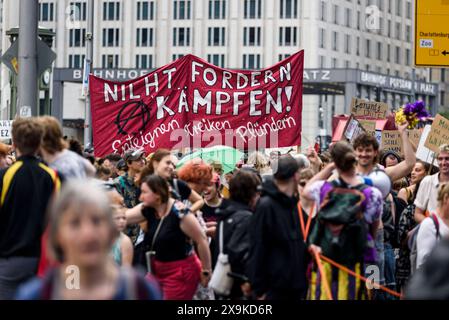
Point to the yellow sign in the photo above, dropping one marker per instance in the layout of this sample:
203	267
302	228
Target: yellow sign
431	33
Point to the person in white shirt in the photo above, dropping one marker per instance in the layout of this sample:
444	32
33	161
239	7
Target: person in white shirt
426	198
428	235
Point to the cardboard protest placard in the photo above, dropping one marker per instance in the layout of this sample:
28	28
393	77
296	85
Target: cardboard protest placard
369	126
5	129
366	108
353	129
391	140
439	133
423	153
414	136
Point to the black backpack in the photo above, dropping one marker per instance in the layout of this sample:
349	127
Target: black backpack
341	230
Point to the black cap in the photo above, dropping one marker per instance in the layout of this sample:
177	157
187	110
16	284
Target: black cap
285	167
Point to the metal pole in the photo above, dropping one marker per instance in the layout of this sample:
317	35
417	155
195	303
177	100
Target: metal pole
27	83
88	61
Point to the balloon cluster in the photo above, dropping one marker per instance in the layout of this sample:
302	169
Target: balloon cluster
413	113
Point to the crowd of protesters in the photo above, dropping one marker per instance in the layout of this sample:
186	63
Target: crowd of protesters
290	226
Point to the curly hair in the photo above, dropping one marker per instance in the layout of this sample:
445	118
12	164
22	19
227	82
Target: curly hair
195	171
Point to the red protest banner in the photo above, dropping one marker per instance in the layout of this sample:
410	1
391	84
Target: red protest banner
191	103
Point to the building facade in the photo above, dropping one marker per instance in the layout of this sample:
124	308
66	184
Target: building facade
369	39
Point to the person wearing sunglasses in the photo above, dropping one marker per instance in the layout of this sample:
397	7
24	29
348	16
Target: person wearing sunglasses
426	198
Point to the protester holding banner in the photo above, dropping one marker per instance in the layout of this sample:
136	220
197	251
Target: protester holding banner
170	252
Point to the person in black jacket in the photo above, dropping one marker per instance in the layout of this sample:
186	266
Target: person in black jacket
236	214
277	262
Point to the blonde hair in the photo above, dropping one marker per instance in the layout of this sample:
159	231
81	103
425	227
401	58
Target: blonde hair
258	161
443	148
77	195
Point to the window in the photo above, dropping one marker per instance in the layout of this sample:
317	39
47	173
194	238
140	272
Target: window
216	37
389	6
216	59
381	5
181	37
217	9
144	37
408	34
368	48
109	61
397	57
177	56
321	61
251	36
398	7
358	20
145	10
322	38
46	11
287	36
323	7
388	53
379	51
144	61
78	11
111	37
398	30
111	11
77	37
76	61
252	9
347	64
407	57
409	10
389	28
442	98
334	41
334	63
181	9
288	9
347	43
348	14
357	46
336	14
443	75
283	56
251	61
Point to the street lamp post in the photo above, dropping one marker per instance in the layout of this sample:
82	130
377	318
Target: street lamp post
27	82
87	69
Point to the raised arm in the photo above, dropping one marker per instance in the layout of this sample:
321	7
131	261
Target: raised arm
403	168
